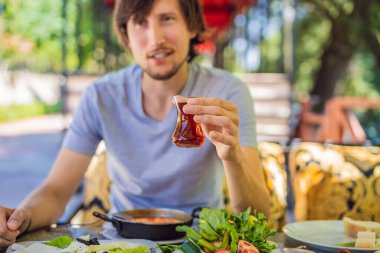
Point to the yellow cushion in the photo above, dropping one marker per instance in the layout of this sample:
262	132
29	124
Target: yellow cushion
273	163
333	181
96	189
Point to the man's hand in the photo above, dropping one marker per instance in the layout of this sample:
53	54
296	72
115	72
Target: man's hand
220	121
12	224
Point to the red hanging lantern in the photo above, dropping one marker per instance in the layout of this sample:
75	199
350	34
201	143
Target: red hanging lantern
219	14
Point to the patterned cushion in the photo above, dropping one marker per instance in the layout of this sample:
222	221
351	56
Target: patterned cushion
273	163
333	181
96	189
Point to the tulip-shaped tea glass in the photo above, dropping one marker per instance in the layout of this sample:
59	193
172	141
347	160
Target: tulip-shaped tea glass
187	133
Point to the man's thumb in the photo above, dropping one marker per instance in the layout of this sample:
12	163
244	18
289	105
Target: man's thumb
15	220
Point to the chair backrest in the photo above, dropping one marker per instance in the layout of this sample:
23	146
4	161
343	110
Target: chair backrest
272	94
333	181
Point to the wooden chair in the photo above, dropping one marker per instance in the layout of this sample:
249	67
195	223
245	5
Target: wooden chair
333	181
272	94
338	124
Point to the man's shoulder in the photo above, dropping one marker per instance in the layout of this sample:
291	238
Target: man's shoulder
115	83
129	73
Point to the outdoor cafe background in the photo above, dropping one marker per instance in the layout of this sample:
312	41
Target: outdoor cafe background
317	50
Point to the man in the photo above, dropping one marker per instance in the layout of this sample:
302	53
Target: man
132	111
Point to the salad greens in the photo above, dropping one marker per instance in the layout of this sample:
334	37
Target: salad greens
346	244
60	242
219	230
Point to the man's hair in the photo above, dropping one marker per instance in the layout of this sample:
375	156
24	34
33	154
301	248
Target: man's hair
139	9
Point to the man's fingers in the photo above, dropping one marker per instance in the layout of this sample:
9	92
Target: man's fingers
213	102
8	235
16	220
10	223
5	243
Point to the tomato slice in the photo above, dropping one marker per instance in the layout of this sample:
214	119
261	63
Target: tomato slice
246	247
222	251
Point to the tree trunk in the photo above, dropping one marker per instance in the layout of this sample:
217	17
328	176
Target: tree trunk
220	43
345	38
334	63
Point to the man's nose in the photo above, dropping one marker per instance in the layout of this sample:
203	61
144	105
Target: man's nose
156	35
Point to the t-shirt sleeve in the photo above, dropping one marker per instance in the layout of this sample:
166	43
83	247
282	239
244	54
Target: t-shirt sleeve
241	96
84	133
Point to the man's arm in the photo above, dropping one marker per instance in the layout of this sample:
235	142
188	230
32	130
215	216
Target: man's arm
47	203
246	182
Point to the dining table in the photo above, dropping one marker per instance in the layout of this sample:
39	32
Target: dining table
74	231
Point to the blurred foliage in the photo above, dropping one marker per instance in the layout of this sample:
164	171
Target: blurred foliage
312	34
16	112
31	31
338	53
335	33
76	36
370	120
36	35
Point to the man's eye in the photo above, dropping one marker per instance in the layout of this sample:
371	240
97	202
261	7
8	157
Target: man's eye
139	22
168	18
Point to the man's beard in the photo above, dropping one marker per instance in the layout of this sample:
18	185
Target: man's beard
165	76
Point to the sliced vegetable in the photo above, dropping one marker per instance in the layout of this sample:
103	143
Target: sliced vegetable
222	251
190	246
246	247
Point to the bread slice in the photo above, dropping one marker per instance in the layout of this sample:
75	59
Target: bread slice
367	234
352	227
365	243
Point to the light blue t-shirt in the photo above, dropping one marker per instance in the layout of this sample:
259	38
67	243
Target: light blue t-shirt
145	167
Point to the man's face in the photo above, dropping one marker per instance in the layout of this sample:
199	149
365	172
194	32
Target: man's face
160	42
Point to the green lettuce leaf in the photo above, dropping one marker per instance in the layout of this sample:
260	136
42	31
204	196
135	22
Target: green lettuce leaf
208	222
60	242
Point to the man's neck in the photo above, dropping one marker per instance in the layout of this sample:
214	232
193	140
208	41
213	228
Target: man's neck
157	94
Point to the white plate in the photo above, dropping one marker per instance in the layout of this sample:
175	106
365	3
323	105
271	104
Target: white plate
152	245
322	235
111	233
